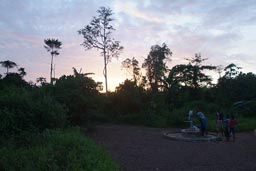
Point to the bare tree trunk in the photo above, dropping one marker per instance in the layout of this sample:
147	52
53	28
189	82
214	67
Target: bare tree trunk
105	58
51	70
105	71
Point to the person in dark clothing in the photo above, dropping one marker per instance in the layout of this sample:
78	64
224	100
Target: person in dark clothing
227	127
203	122
219	123
232	125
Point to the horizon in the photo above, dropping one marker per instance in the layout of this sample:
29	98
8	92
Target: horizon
221	31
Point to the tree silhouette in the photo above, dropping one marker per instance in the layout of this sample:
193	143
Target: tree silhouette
52	46
98	34
22	72
8	64
197	77
41	80
231	71
155	65
189	77
179	75
132	66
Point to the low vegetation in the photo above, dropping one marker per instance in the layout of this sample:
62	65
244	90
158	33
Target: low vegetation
57	149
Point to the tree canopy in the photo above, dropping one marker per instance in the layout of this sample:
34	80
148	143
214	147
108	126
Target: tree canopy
155	65
8	64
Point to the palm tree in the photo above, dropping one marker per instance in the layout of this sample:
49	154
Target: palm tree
52	46
8	64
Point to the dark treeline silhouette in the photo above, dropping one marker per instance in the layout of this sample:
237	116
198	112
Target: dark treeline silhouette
162	95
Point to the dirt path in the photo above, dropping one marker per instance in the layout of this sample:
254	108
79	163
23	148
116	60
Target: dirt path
145	149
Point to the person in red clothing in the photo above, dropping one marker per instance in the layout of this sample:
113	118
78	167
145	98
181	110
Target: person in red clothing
232	125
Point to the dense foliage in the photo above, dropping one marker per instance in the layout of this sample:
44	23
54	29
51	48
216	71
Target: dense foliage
59	150
22	110
30	115
155	65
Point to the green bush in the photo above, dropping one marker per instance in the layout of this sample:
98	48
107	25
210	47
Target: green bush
79	93
177	117
244	108
21	111
58	151
128	98
205	107
246	124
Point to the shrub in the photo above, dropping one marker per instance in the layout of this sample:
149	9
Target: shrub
177	117
246	124
128	98
21	111
79	93
244	108
57	150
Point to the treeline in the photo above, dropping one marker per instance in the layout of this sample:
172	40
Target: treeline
162	97
166	94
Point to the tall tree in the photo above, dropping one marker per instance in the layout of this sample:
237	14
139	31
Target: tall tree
155	65
180	75
98	34
52	46
132	66
8	64
189	77
231	71
198	78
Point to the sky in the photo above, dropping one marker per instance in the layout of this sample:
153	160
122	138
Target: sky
222	31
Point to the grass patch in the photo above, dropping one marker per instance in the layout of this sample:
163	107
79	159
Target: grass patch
246	124
56	150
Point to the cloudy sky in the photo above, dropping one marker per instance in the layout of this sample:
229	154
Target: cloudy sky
222	31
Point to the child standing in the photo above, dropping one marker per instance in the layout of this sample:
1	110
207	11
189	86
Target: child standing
232	124
219	123
227	127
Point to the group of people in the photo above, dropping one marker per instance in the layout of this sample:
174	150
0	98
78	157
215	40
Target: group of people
226	126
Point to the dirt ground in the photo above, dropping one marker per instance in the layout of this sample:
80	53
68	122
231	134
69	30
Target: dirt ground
138	148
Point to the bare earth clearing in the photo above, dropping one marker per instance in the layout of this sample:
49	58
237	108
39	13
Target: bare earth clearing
138	148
